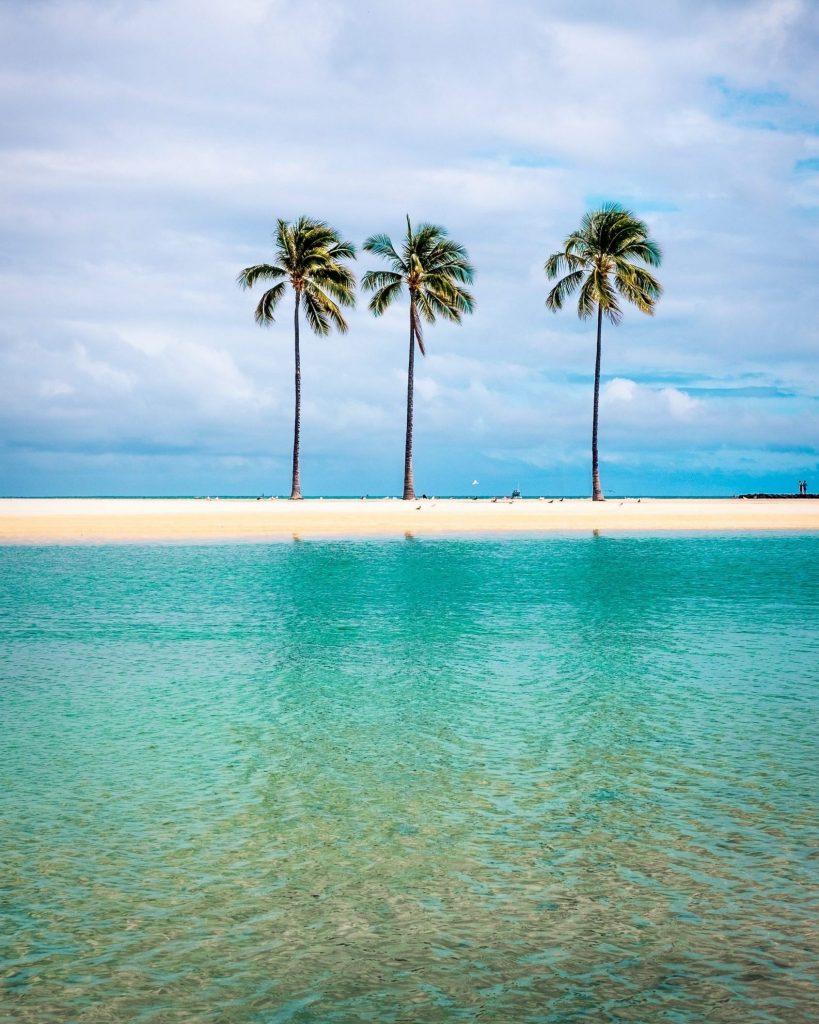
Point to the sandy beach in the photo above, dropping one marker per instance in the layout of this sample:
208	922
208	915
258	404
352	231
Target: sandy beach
71	520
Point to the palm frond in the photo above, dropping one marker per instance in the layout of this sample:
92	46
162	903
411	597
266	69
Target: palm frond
285	247
429	306
448	292
321	312
450	258
330	308
647	283
424	240
381	245
560	262
587	300
416	324
622	238
565	287
374	279
313	234
261	272
639	287
646	250
580	247
442	304
464	300
588	228
267	304
317	319
606	296
385	296
342	251
338	280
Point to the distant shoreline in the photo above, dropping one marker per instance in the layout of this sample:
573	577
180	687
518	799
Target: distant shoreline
780	497
102	520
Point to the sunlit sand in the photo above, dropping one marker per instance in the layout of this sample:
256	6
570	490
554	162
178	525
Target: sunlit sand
63	520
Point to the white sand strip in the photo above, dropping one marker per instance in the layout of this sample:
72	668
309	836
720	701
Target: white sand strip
63	520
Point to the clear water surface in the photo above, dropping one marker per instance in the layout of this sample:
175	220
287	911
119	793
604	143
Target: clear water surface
527	780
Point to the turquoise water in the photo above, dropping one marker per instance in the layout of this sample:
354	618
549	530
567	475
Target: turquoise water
530	780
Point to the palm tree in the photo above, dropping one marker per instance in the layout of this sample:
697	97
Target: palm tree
602	260
310	255
433	269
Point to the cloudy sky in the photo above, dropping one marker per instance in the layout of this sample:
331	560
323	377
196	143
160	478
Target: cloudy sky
149	146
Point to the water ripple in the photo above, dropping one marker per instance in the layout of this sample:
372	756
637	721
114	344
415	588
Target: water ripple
531	780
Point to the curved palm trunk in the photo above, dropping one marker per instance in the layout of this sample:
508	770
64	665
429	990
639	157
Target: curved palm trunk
295	490
409	483
597	490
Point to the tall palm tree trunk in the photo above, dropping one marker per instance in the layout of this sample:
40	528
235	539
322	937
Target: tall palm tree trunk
409	483
295	490
597	490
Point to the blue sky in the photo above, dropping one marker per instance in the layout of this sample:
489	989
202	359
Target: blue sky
149	147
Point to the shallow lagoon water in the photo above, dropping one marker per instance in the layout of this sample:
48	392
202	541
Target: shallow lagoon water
527	780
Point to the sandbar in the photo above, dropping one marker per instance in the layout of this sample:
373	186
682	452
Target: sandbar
103	520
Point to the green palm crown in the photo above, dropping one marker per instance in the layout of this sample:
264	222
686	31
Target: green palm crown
310	255
603	259
431	267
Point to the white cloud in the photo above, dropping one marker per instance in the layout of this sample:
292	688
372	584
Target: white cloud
618	390
149	148
668	403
